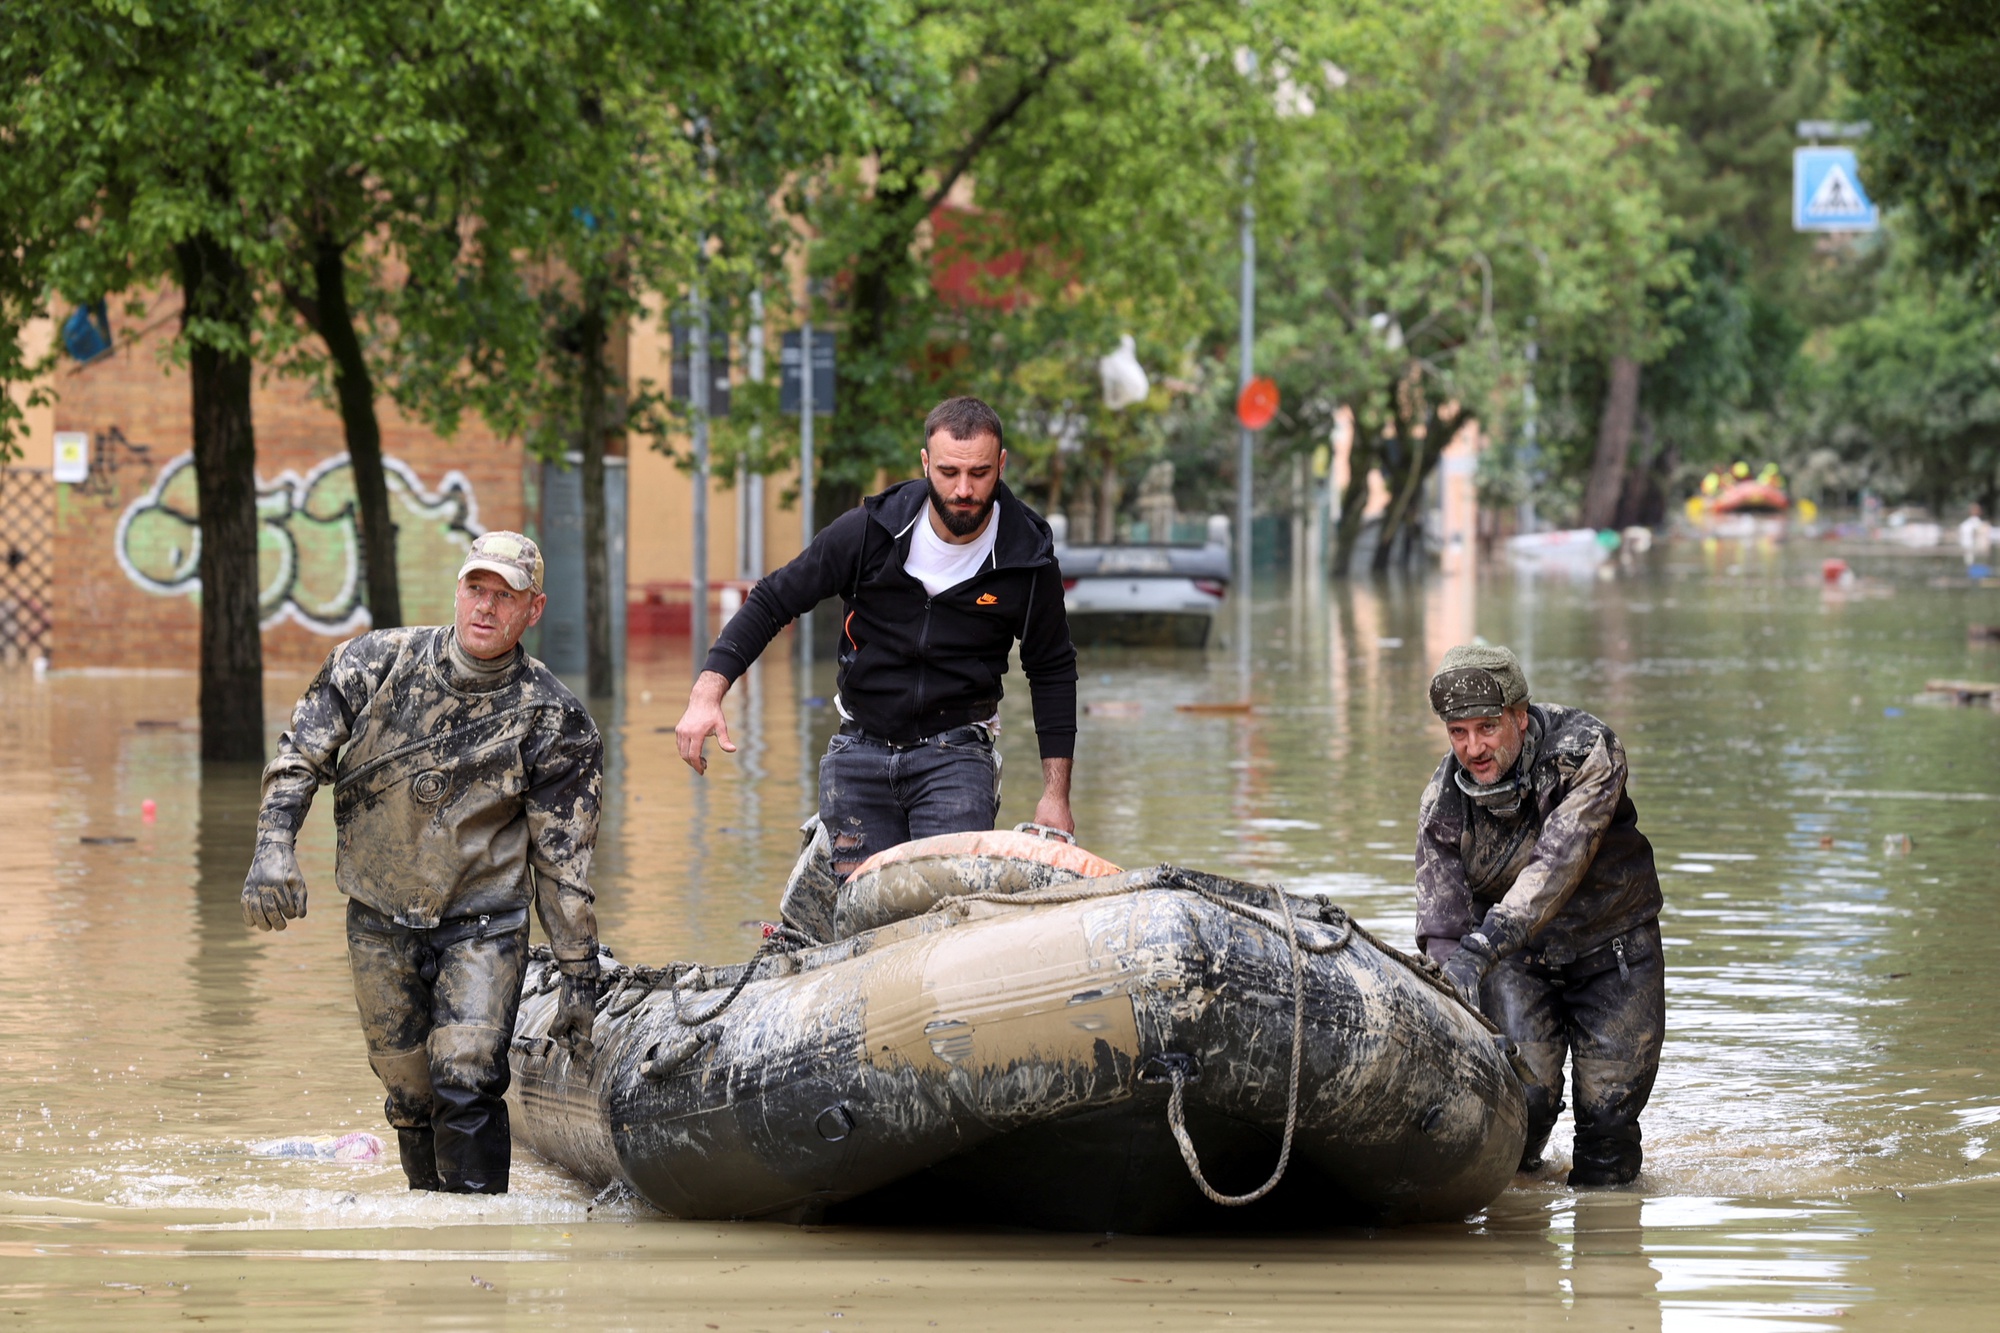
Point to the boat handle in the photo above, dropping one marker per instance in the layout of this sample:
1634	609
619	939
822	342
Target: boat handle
1160	1068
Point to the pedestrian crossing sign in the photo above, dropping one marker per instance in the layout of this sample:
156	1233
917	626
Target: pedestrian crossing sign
1827	193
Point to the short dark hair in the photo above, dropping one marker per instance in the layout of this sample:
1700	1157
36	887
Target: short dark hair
966	419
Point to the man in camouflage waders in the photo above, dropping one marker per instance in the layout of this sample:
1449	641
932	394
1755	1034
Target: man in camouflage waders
1537	892
466	782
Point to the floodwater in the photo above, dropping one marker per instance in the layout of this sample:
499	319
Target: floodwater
1823	1148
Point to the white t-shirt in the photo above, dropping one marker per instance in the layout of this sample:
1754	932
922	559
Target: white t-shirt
937	563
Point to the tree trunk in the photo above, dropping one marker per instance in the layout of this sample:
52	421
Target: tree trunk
217	291
1422	455
1614	444
1641	479
596	556
355	389
1353	500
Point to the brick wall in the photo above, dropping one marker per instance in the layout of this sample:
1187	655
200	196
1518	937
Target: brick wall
124	593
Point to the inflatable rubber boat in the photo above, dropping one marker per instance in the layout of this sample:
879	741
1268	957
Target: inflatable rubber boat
995	1028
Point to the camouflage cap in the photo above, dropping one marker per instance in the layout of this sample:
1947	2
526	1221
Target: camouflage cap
1477	680
508	554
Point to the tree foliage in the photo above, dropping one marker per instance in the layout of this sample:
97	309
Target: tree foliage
1100	143
1469	194
1925	72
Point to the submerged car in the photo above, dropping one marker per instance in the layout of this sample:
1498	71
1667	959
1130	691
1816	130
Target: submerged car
1144	595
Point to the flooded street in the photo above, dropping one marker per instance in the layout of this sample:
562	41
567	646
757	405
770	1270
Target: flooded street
1823	1149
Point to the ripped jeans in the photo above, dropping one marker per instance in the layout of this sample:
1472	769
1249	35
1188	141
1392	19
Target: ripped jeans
874	795
437	1010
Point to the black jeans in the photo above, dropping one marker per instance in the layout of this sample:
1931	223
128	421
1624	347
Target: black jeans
1610	1022
874	795
437	1009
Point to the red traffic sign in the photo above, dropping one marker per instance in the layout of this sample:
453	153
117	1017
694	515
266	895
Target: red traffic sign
1258	403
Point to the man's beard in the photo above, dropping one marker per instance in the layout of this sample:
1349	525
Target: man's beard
958	524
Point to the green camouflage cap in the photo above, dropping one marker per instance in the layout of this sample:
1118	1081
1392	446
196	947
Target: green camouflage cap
508	554
1477	680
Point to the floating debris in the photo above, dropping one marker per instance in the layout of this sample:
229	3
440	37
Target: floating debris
355	1147
1963	692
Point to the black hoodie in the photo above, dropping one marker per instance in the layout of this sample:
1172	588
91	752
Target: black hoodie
913	665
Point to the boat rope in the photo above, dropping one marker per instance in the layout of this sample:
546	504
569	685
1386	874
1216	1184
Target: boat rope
1176	1118
776	939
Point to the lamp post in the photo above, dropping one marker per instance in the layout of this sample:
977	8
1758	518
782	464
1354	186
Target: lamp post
1246	338
698	401
806	478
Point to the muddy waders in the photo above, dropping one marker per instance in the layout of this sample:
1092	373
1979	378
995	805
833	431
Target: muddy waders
1607	1013
437	1009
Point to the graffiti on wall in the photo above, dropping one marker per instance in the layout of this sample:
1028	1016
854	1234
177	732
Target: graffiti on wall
309	542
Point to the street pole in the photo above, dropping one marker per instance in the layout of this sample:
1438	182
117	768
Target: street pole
1531	458
698	400
1244	438
806	478
751	566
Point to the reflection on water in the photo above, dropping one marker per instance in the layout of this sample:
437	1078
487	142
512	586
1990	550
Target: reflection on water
1817	1149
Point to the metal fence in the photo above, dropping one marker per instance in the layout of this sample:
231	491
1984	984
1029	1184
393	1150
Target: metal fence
27	561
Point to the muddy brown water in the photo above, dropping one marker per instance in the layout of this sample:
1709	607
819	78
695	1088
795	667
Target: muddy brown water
1823	1149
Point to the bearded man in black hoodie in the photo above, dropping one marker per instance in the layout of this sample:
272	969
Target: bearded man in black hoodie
939	577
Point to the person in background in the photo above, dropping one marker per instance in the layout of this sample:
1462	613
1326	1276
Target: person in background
466	785
1538	894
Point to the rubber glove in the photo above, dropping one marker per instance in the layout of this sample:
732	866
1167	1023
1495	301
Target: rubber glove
576	1012
1468	967
274	891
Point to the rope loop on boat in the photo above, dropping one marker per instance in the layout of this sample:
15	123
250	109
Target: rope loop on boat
1176	1116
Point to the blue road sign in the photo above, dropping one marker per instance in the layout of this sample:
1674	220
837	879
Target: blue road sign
1827	193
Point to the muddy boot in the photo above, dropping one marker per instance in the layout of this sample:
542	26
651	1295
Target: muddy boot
1604	1161
1531	1152
419	1152
474	1146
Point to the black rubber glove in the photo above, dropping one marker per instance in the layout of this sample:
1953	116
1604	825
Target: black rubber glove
576	1012
274	891
1468	967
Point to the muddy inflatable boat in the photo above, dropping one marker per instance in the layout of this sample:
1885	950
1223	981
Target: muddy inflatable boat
1007	1031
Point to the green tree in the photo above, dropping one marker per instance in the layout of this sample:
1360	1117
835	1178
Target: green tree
1925	73
1101	139
1909	393
652	182
1716	79
148	144
1471	193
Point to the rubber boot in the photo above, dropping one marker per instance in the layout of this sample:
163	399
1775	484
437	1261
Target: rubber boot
474	1147
419	1152
1531	1152
1609	1096
1606	1159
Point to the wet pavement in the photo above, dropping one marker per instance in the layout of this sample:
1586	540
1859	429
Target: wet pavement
1818	1148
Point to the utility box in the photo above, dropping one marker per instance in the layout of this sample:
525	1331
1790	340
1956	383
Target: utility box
562	647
